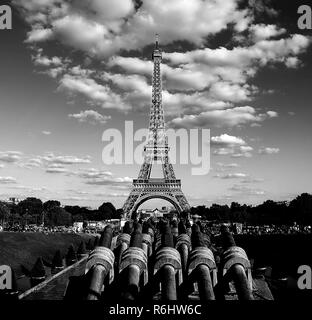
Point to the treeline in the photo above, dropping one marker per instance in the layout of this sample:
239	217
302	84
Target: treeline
34	211
298	210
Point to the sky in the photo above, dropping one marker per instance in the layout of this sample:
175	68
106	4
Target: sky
70	70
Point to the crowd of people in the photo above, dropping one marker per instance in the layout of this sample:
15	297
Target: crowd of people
38	228
210	228
239	228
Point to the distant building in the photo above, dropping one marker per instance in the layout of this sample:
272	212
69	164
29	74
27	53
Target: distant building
156	213
78	226
13	200
96	225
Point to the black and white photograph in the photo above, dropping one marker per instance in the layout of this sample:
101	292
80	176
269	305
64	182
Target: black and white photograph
156	152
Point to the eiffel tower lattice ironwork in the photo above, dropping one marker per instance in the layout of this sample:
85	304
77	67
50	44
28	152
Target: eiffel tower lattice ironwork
156	151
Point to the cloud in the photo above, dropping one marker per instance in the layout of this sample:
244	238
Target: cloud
202	86
292	62
231	176
44	61
268	150
103	27
262	31
39	35
227	91
92	173
90	116
27	188
47	133
112	195
272	114
227	140
243	152
243	58
7	180
102	181
244	190
252	180
230	145
223	151
100	94
220	118
31	163
132	65
227	165
56	170
10	156
219	77
93	176
262	8
64	160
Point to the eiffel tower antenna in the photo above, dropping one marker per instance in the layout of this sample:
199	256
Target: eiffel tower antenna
156	150
156	40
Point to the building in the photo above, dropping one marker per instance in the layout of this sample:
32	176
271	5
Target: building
78	226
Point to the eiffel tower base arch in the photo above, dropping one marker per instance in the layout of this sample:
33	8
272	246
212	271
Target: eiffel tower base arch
152	189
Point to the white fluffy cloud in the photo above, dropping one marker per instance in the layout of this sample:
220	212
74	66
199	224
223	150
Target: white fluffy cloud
243	152
244	190
263	51
101	26
94	176
88	87
262	31
56	170
220	118
90	116
10	156
268	150
51	158
231	176
227	165
202	87
7	180
39	35
227	140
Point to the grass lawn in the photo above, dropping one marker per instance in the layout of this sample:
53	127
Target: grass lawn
24	248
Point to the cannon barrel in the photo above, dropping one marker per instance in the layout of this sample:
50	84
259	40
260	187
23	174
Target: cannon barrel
134	264
236	264
99	264
168	264
183	245
201	265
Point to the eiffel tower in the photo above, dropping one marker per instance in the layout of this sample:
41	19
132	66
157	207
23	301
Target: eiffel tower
156	151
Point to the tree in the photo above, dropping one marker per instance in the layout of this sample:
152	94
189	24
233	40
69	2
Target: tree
301	209
50	204
119	213
4	212
77	218
31	206
58	216
107	211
